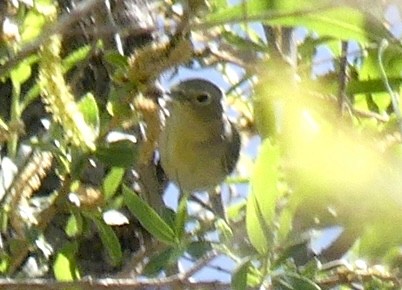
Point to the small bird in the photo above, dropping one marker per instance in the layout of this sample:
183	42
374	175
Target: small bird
198	145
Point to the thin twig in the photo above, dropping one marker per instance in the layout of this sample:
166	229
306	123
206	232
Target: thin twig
369	114
107	284
342	80
197	267
179	280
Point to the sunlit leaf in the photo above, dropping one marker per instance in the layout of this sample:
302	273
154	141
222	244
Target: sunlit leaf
75	57
20	73
65	264
90	112
326	19
112	181
263	197
74	225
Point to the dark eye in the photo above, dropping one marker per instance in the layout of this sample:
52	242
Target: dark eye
203	98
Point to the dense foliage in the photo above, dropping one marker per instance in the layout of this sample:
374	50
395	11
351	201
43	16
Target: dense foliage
313	87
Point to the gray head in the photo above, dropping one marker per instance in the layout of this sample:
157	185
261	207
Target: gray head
200	96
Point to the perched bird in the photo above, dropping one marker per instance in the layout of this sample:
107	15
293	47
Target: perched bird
198	145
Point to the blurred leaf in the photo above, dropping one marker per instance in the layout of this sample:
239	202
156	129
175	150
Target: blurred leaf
392	62
161	261
181	216
370	86
224	230
198	249
379	236
243	43
118	154
109	240
236	211
263	196
239	277
89	109
326	19
112	181
74	225
257	229
4	262
381	101
20	73
149	219
119	98
293	281
32	25
65	265
169	216
116	59
343	23
293	250
75	57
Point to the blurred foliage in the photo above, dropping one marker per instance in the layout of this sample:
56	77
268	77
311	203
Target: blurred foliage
80	188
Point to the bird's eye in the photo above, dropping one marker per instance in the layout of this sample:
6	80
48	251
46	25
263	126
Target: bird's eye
203	98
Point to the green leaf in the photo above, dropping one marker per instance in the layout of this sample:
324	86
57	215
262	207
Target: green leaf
116	59
4	262
263	196
257	229
325	19
20	73
181	216
224	230
343	23
169	216
32	25
149	219
198	249
371	86
65	264
89	110
239	277
118	154
391	59
236	211
74	225
112	181
293	281
161	261
74	57
109	240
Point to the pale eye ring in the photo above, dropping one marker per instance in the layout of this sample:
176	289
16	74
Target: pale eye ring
203	99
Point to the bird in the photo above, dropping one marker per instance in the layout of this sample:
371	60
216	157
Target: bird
198	145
